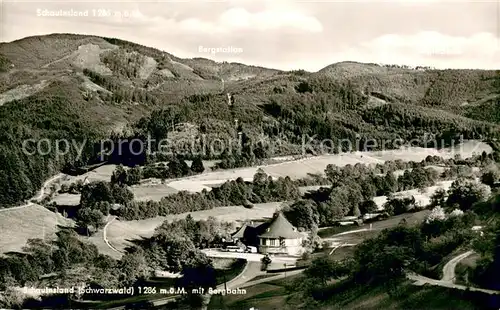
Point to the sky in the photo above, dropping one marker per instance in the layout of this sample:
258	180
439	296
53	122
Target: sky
291	34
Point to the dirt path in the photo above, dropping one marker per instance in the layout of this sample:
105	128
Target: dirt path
446	281
110	219
449	268
448	277
421	280
249	257
448	272
251	270
38	196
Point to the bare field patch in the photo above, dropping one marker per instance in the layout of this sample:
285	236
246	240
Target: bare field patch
422	199
34	221
374	102
89	56
120	233
22	91
147	68
166	73
156	192
89	85
67	199
316	165
98	240
102	173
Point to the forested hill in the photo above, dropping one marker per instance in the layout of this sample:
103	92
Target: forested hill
86	88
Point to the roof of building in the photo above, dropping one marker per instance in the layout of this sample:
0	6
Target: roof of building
280	227
250	229
240	233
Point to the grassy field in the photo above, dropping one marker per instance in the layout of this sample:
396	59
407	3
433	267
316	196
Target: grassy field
464	269
411	219
150	189
67	199
120	233
102	173
316	165
153	189
421	198
34	221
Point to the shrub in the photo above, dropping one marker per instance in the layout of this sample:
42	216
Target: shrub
248	205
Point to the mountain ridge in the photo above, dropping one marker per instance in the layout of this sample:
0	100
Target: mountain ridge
89	87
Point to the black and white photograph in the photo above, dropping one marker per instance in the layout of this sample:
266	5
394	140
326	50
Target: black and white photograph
250	154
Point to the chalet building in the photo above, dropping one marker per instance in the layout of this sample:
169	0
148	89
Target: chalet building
280	237
277	236
247	234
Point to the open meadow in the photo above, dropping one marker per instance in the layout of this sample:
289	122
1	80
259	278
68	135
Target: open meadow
302	168
152	189
421	198
102	173
33	221
119	233
66	199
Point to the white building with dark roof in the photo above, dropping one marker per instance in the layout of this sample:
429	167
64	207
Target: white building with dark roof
280	237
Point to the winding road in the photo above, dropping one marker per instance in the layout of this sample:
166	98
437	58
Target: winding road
252	270
421	280
448	278
110	220
39	195
449	268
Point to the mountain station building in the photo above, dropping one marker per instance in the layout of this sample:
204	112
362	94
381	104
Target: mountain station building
277	236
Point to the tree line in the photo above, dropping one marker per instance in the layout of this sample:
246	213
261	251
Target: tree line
332	110
232	193
174	247
384	260
350	192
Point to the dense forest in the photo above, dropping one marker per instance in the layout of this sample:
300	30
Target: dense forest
268	115
379	265
175	246
348	191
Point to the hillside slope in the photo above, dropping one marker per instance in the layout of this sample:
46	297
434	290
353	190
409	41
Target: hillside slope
84	88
